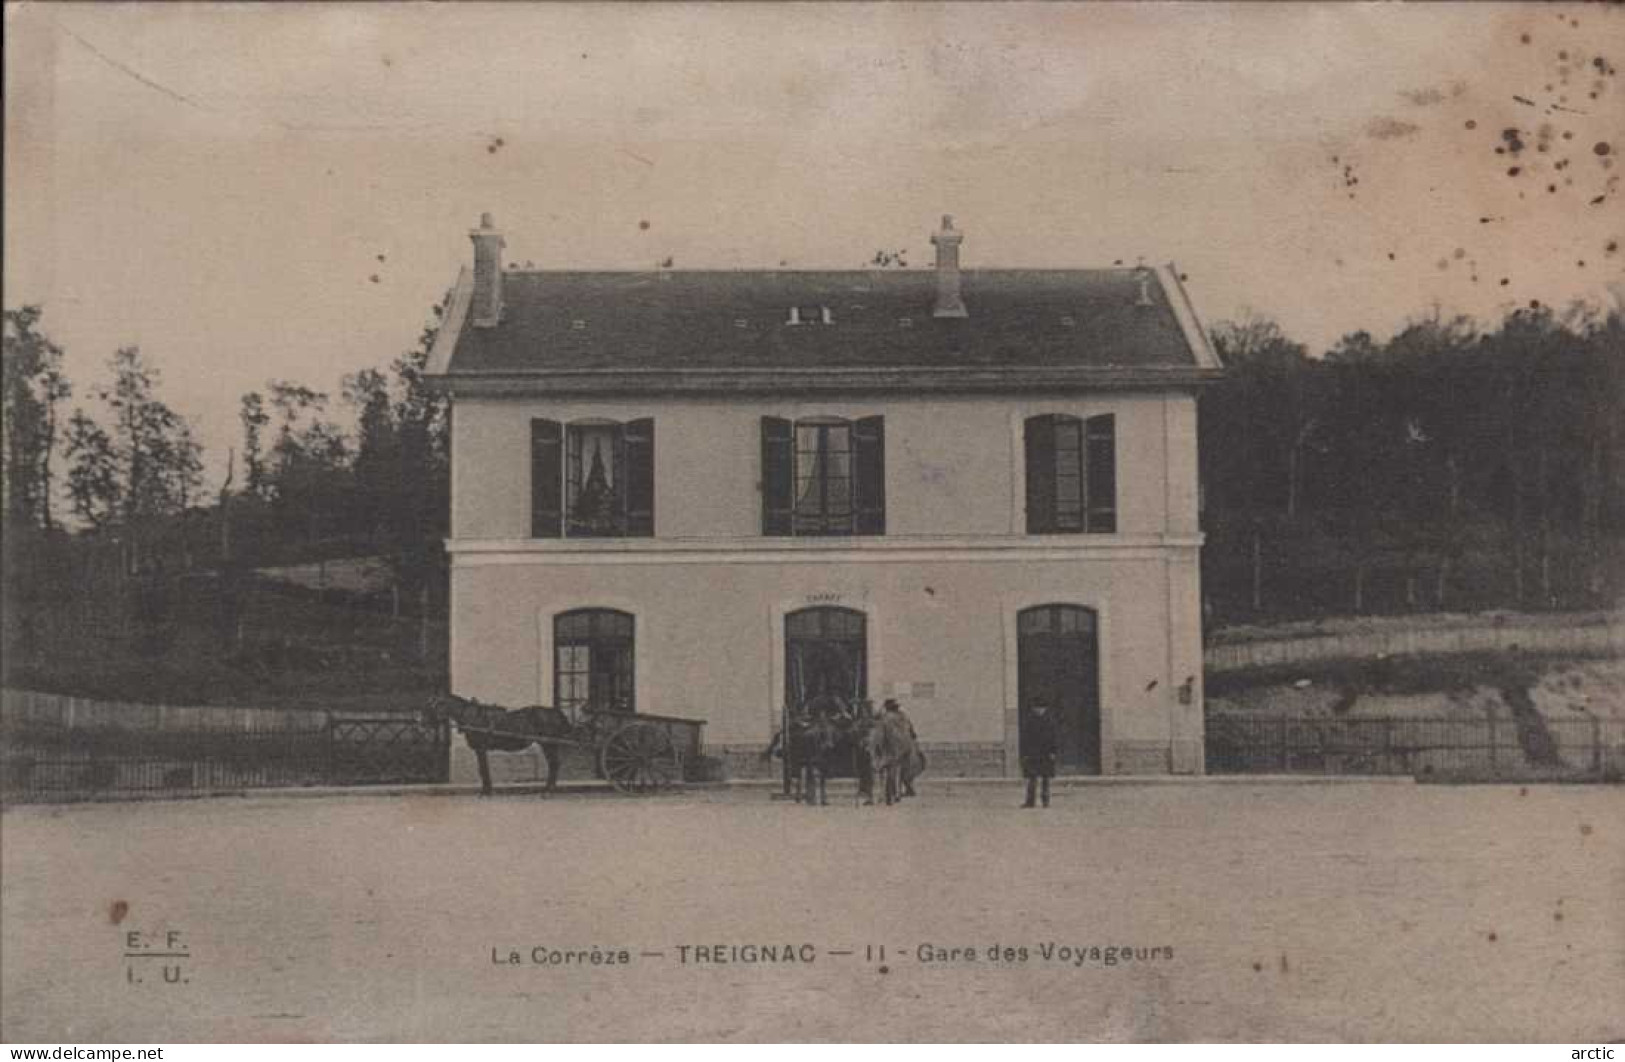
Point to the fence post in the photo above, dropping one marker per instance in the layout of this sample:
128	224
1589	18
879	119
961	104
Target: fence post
330	769
1286	755
1387	745
1494	758
1596	746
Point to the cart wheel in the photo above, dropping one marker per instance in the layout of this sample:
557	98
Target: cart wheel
640	758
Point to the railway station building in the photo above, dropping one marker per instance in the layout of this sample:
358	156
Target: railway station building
719	494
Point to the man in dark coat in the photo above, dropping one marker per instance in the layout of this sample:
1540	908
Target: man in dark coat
863	721
1040	745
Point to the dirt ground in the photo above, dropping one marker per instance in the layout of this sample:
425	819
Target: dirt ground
1252	911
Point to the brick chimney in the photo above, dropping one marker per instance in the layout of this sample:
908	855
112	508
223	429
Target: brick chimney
487	307
947	241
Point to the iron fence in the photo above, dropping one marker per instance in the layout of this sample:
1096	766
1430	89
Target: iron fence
62	763
1583	747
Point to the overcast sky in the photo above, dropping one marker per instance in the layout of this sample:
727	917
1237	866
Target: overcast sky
254	192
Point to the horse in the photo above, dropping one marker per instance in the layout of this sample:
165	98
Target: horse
487	726
895	754
810	753
812	749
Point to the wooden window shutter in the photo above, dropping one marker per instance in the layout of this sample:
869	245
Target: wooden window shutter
1040	474
1100	474
778	475
546	493
639	436
869	474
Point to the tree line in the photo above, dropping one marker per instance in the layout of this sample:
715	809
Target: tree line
1448	467
104	500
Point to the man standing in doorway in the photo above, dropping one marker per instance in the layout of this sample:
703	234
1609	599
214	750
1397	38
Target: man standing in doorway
1040	745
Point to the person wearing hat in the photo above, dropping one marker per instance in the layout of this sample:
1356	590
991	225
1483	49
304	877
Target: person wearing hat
911	765
1040	745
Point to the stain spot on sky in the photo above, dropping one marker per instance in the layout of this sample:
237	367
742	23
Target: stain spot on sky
1386	128
1425	97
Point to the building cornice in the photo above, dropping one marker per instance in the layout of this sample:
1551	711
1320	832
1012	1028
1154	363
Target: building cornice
912	380
845	550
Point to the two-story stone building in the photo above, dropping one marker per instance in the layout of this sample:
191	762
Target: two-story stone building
716	493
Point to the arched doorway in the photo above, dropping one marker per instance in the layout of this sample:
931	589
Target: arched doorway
1058	661
826	656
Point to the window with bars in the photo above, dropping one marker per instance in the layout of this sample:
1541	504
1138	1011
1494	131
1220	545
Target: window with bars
592	479
1071	474
593	660
823	476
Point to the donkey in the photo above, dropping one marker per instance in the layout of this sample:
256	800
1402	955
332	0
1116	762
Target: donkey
487	726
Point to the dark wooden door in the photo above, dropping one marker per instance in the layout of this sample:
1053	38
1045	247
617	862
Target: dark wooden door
1059	663
826	654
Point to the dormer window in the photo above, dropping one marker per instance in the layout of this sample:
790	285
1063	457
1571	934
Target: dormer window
578	325
802	315
1068	321
905	322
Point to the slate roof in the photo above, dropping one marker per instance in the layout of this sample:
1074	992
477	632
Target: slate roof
586	322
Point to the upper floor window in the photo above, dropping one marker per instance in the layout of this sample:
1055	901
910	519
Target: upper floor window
823	476
593	660
592	479
1071	474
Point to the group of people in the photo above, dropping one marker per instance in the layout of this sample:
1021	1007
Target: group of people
829	735
888	739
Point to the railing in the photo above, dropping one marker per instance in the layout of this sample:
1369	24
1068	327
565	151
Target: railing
78	749
1586	747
